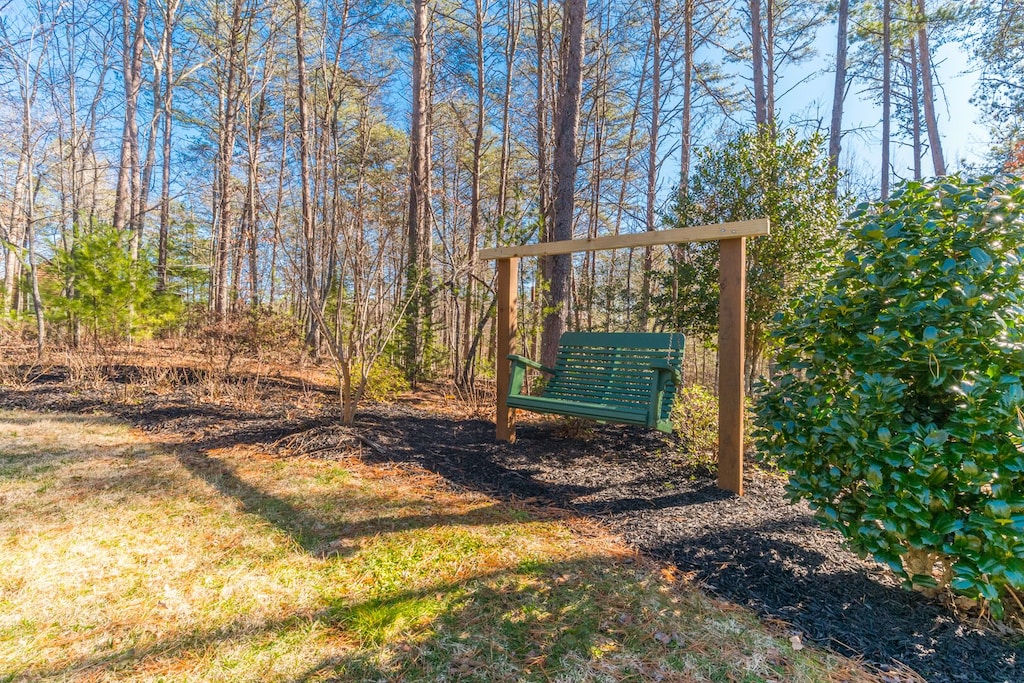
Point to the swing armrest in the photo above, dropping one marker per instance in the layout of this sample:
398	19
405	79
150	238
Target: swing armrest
516	359
663	373
664	367
518	373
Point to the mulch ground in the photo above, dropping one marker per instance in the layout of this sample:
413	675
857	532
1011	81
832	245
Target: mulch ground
758	550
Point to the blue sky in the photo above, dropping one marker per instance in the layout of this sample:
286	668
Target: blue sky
964	139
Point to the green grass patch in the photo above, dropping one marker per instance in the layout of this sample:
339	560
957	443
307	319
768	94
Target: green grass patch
123	562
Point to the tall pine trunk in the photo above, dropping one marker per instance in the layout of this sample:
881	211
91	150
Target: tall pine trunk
886	92
757	62
835	138
689	11
915	107
417	233
167	122
652	164
566	130
928	93
313	303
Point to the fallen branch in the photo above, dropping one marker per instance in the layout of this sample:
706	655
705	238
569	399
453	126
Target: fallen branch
375	447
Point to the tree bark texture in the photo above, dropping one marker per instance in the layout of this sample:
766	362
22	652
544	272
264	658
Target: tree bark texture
928	93
566	129
757	63
886	93
650	218
835	137
419	168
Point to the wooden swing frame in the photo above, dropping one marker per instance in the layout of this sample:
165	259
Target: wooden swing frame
731	322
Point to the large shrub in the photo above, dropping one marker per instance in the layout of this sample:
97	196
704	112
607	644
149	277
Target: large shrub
897	404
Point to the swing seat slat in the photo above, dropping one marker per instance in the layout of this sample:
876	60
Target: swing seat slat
619	377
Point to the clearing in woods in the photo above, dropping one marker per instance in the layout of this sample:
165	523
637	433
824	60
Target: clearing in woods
124	559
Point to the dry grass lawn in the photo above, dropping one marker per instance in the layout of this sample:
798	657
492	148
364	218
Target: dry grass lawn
123	560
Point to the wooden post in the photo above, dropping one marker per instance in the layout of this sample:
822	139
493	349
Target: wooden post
508	285
732	279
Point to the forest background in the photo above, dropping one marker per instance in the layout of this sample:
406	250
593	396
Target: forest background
324	172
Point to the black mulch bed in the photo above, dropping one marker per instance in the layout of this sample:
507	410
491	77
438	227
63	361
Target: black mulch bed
757	550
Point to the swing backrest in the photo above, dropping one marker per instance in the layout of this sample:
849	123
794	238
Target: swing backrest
615	368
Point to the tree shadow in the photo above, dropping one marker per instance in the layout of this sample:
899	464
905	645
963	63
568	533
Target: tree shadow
782	563
314	534
460	452
567	618
704	494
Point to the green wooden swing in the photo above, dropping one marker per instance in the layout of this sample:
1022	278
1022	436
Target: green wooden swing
658	378
620	377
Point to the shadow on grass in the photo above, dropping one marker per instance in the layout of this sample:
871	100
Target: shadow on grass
777	560
465	467
33	419
422	634
316	535
766	564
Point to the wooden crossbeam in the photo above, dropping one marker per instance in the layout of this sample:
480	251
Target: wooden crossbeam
699	233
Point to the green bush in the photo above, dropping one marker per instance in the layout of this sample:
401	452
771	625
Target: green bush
897	404
695	421
96	284
385	381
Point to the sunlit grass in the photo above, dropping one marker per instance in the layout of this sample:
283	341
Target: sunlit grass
124	560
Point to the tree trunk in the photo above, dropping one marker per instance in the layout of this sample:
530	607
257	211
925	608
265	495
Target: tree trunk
543	198
308	259
566	128
835	142
167	119
934	142
127	194
227	132
915	107
146	181
511	43
418	169
465	346
685	134
757	61
16	226
769	63
37	299
652	164
886	93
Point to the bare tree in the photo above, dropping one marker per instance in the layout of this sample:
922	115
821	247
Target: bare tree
231	47
166	105
25	54
133	35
